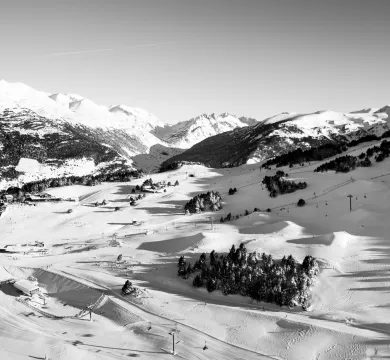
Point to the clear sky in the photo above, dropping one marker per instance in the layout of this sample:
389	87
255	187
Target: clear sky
181	58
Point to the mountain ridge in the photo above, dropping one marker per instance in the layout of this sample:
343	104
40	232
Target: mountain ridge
280	134
35	124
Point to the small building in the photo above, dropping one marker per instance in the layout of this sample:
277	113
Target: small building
43	198
7	198
27	287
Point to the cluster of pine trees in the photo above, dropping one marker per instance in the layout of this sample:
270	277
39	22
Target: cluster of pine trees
341	164
382	151
285	283
232	191
169	166
348	163
210	201
278	185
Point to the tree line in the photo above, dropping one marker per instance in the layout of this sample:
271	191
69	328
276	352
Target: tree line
348	162
327	150
230	217
88	180
165	166
285	283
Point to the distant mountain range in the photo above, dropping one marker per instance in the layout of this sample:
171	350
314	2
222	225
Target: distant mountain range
282	133
52	135
67	134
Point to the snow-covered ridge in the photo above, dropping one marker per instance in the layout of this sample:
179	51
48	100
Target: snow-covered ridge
75	108
188	133
282	133
133	131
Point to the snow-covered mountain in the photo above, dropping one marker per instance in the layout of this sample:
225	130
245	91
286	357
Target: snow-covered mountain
67	134
188	133
282	133
74	108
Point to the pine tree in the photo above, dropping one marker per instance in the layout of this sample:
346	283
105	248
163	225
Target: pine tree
211	285
127	288
181	261
198	282
232	252
213	257
189	269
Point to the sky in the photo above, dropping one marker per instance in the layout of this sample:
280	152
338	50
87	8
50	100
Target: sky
180	58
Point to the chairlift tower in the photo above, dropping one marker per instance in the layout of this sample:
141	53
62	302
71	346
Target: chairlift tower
350	201
173	333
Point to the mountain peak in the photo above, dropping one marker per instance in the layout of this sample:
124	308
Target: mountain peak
214	116
384	109
187	133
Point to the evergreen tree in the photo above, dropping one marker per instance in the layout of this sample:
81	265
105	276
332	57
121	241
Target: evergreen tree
198	282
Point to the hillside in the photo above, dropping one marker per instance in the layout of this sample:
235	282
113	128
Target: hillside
280	134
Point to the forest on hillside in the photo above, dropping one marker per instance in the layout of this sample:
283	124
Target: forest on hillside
300	157
348	162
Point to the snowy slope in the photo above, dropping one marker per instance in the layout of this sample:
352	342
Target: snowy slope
18	96
76	109
139	117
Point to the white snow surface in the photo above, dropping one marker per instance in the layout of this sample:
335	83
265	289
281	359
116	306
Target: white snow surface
349	312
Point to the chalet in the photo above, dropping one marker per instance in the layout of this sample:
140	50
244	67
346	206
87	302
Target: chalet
41	198
7	198
27	287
